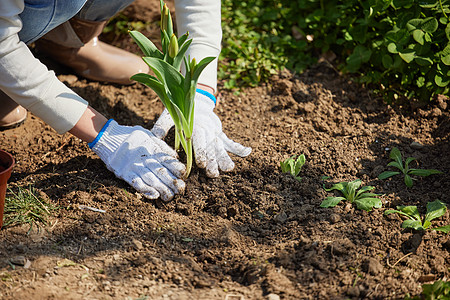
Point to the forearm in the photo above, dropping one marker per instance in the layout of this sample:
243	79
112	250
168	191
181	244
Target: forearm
28	82
89	125
202	19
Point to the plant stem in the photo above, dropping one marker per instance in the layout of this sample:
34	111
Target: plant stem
177	139
442	8
189	157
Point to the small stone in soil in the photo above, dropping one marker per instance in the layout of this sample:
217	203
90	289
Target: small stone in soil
281	217
334	218
18	260
137	244
372	266
273	297
416	146
353	291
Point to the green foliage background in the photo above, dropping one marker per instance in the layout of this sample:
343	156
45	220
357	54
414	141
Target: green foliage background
399	48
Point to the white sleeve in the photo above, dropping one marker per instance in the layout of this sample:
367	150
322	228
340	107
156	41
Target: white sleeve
202	19
28	82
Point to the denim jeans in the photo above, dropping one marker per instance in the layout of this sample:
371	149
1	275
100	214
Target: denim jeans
41	16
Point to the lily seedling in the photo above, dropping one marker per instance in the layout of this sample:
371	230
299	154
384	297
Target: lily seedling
176	91
352	192
404	169
293	166
435	210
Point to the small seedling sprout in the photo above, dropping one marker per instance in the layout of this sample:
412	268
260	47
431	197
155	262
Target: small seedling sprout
362	198
435	210
407	172
293	166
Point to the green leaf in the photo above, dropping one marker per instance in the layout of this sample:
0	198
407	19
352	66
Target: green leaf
152	82
147	47
429	25
393	211
410	210
172	80
445	229
165	41
435	210
423	61
299	164
331	201
159	89
408	181
368	195
441	80
428	3
445	55
338	186
407	55
387	174
183	39
180	56
402	3
414	24
414	224
408	161
368	203
287	166
354	185
396	165
426	224
396	155
359	56
200	66
387	61
420	81
364	189
418	35
392	48
423	172
165	72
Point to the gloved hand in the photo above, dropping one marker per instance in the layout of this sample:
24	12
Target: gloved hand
209	142
144	161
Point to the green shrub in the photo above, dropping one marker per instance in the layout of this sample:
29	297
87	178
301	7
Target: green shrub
400	48
257	42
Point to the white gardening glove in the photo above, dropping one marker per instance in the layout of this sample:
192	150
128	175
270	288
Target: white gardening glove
209	142
144	161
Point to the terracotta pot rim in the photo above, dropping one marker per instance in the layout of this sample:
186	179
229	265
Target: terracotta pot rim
2	152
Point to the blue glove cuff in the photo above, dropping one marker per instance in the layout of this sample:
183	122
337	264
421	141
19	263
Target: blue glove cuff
99	136
207	94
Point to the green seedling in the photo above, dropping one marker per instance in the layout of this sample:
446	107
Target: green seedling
293	166
435	210
407	172
439	290
175	90
362	198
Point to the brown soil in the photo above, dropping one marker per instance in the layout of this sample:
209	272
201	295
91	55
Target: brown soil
253	233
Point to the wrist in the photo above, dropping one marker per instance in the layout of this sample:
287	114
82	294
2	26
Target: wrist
100	134
110	139
89	125
206	88
207	95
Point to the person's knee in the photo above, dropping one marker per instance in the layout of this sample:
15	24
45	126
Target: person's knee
41	16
